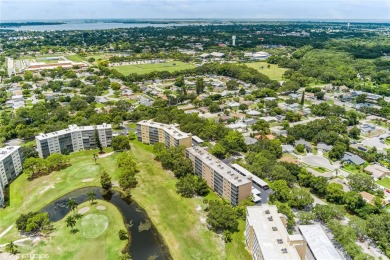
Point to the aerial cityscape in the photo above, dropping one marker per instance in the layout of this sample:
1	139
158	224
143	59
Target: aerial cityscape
137	129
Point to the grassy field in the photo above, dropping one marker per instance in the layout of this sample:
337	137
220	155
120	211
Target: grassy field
274	72
97	236
33	195
147	68
385	182
75	58
180	221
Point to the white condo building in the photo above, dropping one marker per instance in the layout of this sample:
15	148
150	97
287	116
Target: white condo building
11	161
73	139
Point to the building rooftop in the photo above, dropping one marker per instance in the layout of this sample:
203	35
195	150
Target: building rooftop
170	129
353	158
378	171
5	151
271	233
318	242
223	169
247	173
72	128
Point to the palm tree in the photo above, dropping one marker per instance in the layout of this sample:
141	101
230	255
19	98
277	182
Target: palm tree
72	205
91	196
11	248
70	222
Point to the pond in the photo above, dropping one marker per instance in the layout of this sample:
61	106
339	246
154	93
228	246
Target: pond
145	240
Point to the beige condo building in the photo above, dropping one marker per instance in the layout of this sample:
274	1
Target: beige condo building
150	132
220	177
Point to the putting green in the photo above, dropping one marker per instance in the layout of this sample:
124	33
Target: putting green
87	171
94	225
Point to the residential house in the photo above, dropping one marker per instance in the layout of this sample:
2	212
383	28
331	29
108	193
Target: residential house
286	148
377	171
352	159
367	128
305	143
324	147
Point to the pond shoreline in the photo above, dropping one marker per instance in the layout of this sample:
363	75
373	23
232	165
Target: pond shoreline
141	245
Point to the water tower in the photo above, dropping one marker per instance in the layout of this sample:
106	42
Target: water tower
234	40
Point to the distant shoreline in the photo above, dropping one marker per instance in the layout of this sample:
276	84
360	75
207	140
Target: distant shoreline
12	24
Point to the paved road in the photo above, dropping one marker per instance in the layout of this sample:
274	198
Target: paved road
317	161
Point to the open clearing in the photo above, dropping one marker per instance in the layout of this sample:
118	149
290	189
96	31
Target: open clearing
94	225
87	171
274	72
75	58
147	68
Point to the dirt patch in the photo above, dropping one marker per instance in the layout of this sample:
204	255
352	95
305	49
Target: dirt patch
83	210
101	207
87	180
48	187
105	154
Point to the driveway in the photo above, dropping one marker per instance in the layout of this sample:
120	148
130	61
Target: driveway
317	161
375	142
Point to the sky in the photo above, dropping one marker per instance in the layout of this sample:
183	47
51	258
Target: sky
229	9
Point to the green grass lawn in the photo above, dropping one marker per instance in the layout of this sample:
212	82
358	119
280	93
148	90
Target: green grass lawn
97	236
319	169
75	58
353	169
274	72
385	182
33	195
147	68
179	220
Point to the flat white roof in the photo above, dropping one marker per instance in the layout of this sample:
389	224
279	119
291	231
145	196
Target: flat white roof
170	129
247	173
319	243
197	139
270	232
72	128
5	151
223	169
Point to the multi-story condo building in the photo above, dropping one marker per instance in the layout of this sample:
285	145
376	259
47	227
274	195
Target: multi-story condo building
73	139
150	132
11	161
220	177
267	238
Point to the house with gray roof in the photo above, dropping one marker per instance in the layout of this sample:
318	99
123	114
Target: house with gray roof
352	159
324	147
305	143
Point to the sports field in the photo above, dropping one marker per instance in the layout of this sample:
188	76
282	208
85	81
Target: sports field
75	58
274	72
147	68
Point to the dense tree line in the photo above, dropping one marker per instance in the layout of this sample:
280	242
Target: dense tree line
37	167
